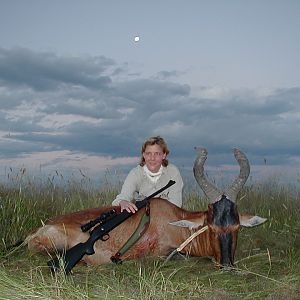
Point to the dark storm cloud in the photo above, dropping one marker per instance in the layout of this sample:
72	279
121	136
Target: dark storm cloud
12	148
50	102
91	108
44	71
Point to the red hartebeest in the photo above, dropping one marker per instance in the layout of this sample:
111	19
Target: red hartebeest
218	241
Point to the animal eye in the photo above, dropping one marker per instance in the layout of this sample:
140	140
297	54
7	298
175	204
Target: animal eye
214	229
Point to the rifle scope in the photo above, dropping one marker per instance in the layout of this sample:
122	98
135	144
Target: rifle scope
104	217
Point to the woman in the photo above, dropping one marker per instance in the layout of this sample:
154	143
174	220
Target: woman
153	172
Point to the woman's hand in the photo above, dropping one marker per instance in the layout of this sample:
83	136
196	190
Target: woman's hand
129	206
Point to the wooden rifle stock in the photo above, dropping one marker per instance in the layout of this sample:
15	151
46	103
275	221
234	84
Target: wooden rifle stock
71	257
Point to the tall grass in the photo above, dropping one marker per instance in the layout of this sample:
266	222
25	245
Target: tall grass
267	259
26	202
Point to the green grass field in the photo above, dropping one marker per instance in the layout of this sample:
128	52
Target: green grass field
267	258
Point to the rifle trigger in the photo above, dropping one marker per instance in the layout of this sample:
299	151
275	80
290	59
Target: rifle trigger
105	237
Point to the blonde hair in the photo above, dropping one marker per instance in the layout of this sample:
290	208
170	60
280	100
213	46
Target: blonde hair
155	140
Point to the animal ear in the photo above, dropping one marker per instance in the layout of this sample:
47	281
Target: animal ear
192	223
251	221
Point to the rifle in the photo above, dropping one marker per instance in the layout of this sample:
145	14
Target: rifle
72	256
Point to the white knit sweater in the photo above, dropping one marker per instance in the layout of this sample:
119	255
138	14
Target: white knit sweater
137	185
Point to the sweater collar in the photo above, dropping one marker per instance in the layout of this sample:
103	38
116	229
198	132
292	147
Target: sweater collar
153	176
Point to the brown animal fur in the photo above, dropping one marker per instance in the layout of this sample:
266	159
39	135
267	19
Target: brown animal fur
63	232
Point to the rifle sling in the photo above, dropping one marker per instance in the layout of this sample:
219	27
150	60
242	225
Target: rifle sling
140	230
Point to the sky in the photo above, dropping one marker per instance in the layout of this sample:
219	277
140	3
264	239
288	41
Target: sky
78	94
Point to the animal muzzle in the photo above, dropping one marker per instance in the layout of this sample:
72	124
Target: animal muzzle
227	250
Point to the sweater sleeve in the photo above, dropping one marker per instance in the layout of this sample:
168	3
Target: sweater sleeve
175	192
128	189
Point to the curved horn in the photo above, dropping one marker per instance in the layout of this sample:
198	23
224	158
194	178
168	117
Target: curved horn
211	192
232	191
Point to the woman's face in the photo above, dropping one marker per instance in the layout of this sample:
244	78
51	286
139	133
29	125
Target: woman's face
154	157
